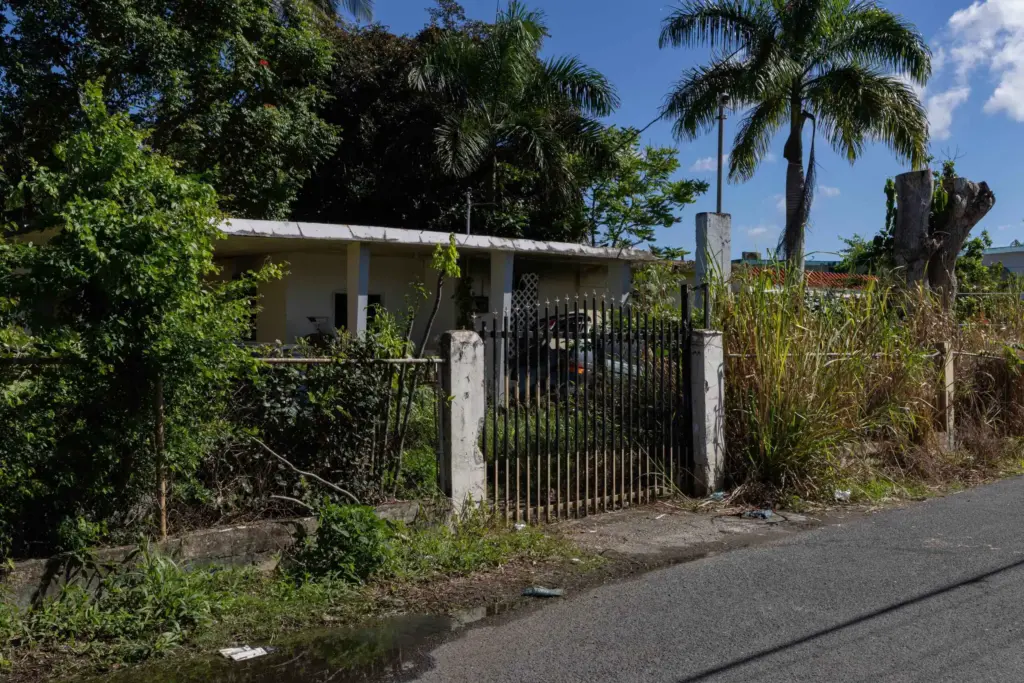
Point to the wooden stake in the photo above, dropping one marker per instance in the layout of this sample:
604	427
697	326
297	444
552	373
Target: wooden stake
161	474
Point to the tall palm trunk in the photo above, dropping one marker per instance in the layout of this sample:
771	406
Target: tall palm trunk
793	237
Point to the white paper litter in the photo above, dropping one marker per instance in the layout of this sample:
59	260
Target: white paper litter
240	654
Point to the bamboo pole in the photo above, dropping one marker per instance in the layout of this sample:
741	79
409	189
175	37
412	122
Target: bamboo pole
161	472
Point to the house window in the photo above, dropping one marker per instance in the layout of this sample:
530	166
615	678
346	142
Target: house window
341	309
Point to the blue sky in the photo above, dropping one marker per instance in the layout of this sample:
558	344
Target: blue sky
975	101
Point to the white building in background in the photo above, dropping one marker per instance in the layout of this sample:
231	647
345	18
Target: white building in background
335	272
1012	258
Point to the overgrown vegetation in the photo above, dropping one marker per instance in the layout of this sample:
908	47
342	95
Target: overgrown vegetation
839	391
150	605
121	296
123	305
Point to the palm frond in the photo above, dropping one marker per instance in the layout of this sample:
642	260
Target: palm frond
867	34
717	23
854	104
462	143
693	102
754	137
452	66
586	88
800	21
359	9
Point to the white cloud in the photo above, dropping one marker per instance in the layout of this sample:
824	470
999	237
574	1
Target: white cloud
708	164
989	34
780	203
826	191
1001	228
761	230
770	158
940	110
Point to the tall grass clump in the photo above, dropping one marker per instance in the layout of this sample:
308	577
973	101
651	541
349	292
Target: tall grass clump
809	375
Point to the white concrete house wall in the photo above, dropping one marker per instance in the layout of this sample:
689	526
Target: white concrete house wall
363	263
1012	258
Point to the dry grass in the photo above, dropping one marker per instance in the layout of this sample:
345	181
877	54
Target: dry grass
812	381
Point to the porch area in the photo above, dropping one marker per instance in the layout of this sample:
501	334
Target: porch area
337	274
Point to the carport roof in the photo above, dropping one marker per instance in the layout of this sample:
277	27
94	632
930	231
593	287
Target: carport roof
326	232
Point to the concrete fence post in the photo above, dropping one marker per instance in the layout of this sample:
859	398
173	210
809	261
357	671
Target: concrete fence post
707	387
712	260
463	470
947	380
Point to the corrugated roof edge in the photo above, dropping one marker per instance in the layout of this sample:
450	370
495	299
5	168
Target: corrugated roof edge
245	227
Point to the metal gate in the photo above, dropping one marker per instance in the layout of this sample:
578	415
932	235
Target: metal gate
588	407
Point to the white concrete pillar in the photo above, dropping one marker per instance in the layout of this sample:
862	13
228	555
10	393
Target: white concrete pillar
463	466
707	388
499	300
358	291
714	251
620	282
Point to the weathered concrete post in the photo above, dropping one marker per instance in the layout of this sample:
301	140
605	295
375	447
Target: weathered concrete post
947	379
463	468
707	387
713	260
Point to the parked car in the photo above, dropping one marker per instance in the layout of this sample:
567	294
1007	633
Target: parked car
562	352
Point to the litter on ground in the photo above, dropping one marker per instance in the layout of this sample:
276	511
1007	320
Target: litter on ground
541	592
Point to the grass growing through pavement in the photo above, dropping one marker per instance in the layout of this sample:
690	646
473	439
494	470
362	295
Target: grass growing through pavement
151	606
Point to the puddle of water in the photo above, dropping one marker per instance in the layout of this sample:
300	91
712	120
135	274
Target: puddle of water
390	650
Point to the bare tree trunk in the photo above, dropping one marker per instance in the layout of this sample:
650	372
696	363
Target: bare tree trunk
793	237
969	202
912	243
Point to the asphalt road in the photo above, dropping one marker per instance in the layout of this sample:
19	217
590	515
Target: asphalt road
933	592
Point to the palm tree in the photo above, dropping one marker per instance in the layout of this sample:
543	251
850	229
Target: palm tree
508	103
360	9
843	65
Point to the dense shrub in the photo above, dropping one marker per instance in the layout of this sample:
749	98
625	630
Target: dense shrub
351	542
122	293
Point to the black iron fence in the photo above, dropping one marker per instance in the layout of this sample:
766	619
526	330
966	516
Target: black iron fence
587	407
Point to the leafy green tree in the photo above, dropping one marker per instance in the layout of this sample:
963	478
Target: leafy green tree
507	103
634	193
231	88
388	141
843	65
875	255
122	292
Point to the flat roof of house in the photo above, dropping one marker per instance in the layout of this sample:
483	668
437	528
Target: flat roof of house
1003	250
290	230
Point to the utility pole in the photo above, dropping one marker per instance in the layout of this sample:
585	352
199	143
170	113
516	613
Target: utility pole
469	210
723	100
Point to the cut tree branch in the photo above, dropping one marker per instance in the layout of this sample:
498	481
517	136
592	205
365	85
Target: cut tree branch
294	500
303	473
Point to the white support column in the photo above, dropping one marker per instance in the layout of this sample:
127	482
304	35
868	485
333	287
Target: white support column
707	387
714	251
463	466
499	301
358	277
620	282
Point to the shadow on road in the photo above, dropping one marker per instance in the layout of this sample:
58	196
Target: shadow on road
742	661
